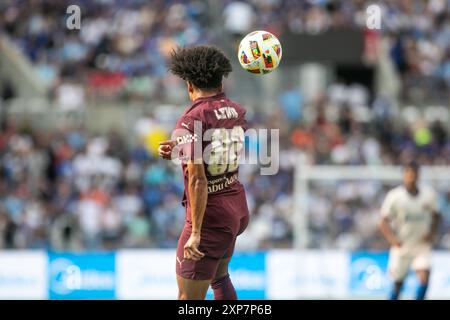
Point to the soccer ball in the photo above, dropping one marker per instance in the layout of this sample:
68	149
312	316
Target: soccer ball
259	52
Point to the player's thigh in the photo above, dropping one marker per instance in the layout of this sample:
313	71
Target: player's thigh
399	264
189	289
422	258
203	269
222	268
422	264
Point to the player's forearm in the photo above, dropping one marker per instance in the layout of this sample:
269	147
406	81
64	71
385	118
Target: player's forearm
387	232
198	196
435	222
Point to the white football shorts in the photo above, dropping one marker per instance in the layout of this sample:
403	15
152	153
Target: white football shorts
402	259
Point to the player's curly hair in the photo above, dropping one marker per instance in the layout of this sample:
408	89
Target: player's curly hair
412	165
203	66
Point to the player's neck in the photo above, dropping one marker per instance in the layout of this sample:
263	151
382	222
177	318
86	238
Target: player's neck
413	190
197	94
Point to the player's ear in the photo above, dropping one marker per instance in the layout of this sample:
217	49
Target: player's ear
190	87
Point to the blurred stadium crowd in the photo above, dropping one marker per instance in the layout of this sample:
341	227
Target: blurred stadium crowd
73	189
121	49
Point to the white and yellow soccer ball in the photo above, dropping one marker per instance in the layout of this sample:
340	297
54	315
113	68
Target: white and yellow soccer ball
260	52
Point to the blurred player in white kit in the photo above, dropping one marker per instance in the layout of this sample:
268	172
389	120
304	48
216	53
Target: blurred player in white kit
409	221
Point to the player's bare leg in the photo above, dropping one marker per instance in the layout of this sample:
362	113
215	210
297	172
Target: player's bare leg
423	276
222	286
192	289
395	293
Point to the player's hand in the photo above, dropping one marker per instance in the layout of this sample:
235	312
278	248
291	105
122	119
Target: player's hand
165	149
429	238
396	243
191	248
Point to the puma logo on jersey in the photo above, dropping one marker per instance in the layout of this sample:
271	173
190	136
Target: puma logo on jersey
226	113
185	125
180	261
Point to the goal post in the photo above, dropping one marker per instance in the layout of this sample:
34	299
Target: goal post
305	175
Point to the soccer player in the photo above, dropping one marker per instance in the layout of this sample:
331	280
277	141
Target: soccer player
208	139
409	221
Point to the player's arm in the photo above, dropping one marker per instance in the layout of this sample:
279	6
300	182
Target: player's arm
388	233
387	212
198	196
435	217
435	221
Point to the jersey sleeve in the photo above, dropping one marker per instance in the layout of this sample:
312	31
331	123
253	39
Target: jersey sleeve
188	136
388	206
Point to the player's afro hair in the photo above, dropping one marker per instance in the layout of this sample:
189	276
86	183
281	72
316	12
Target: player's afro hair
203	66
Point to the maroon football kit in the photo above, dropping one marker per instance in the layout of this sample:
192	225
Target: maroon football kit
212	129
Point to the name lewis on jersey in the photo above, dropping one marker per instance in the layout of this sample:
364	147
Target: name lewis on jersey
226	113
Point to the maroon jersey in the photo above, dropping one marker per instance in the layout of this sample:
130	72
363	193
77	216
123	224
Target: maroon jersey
212	129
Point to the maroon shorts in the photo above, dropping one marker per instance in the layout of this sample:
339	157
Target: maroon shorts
222	224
